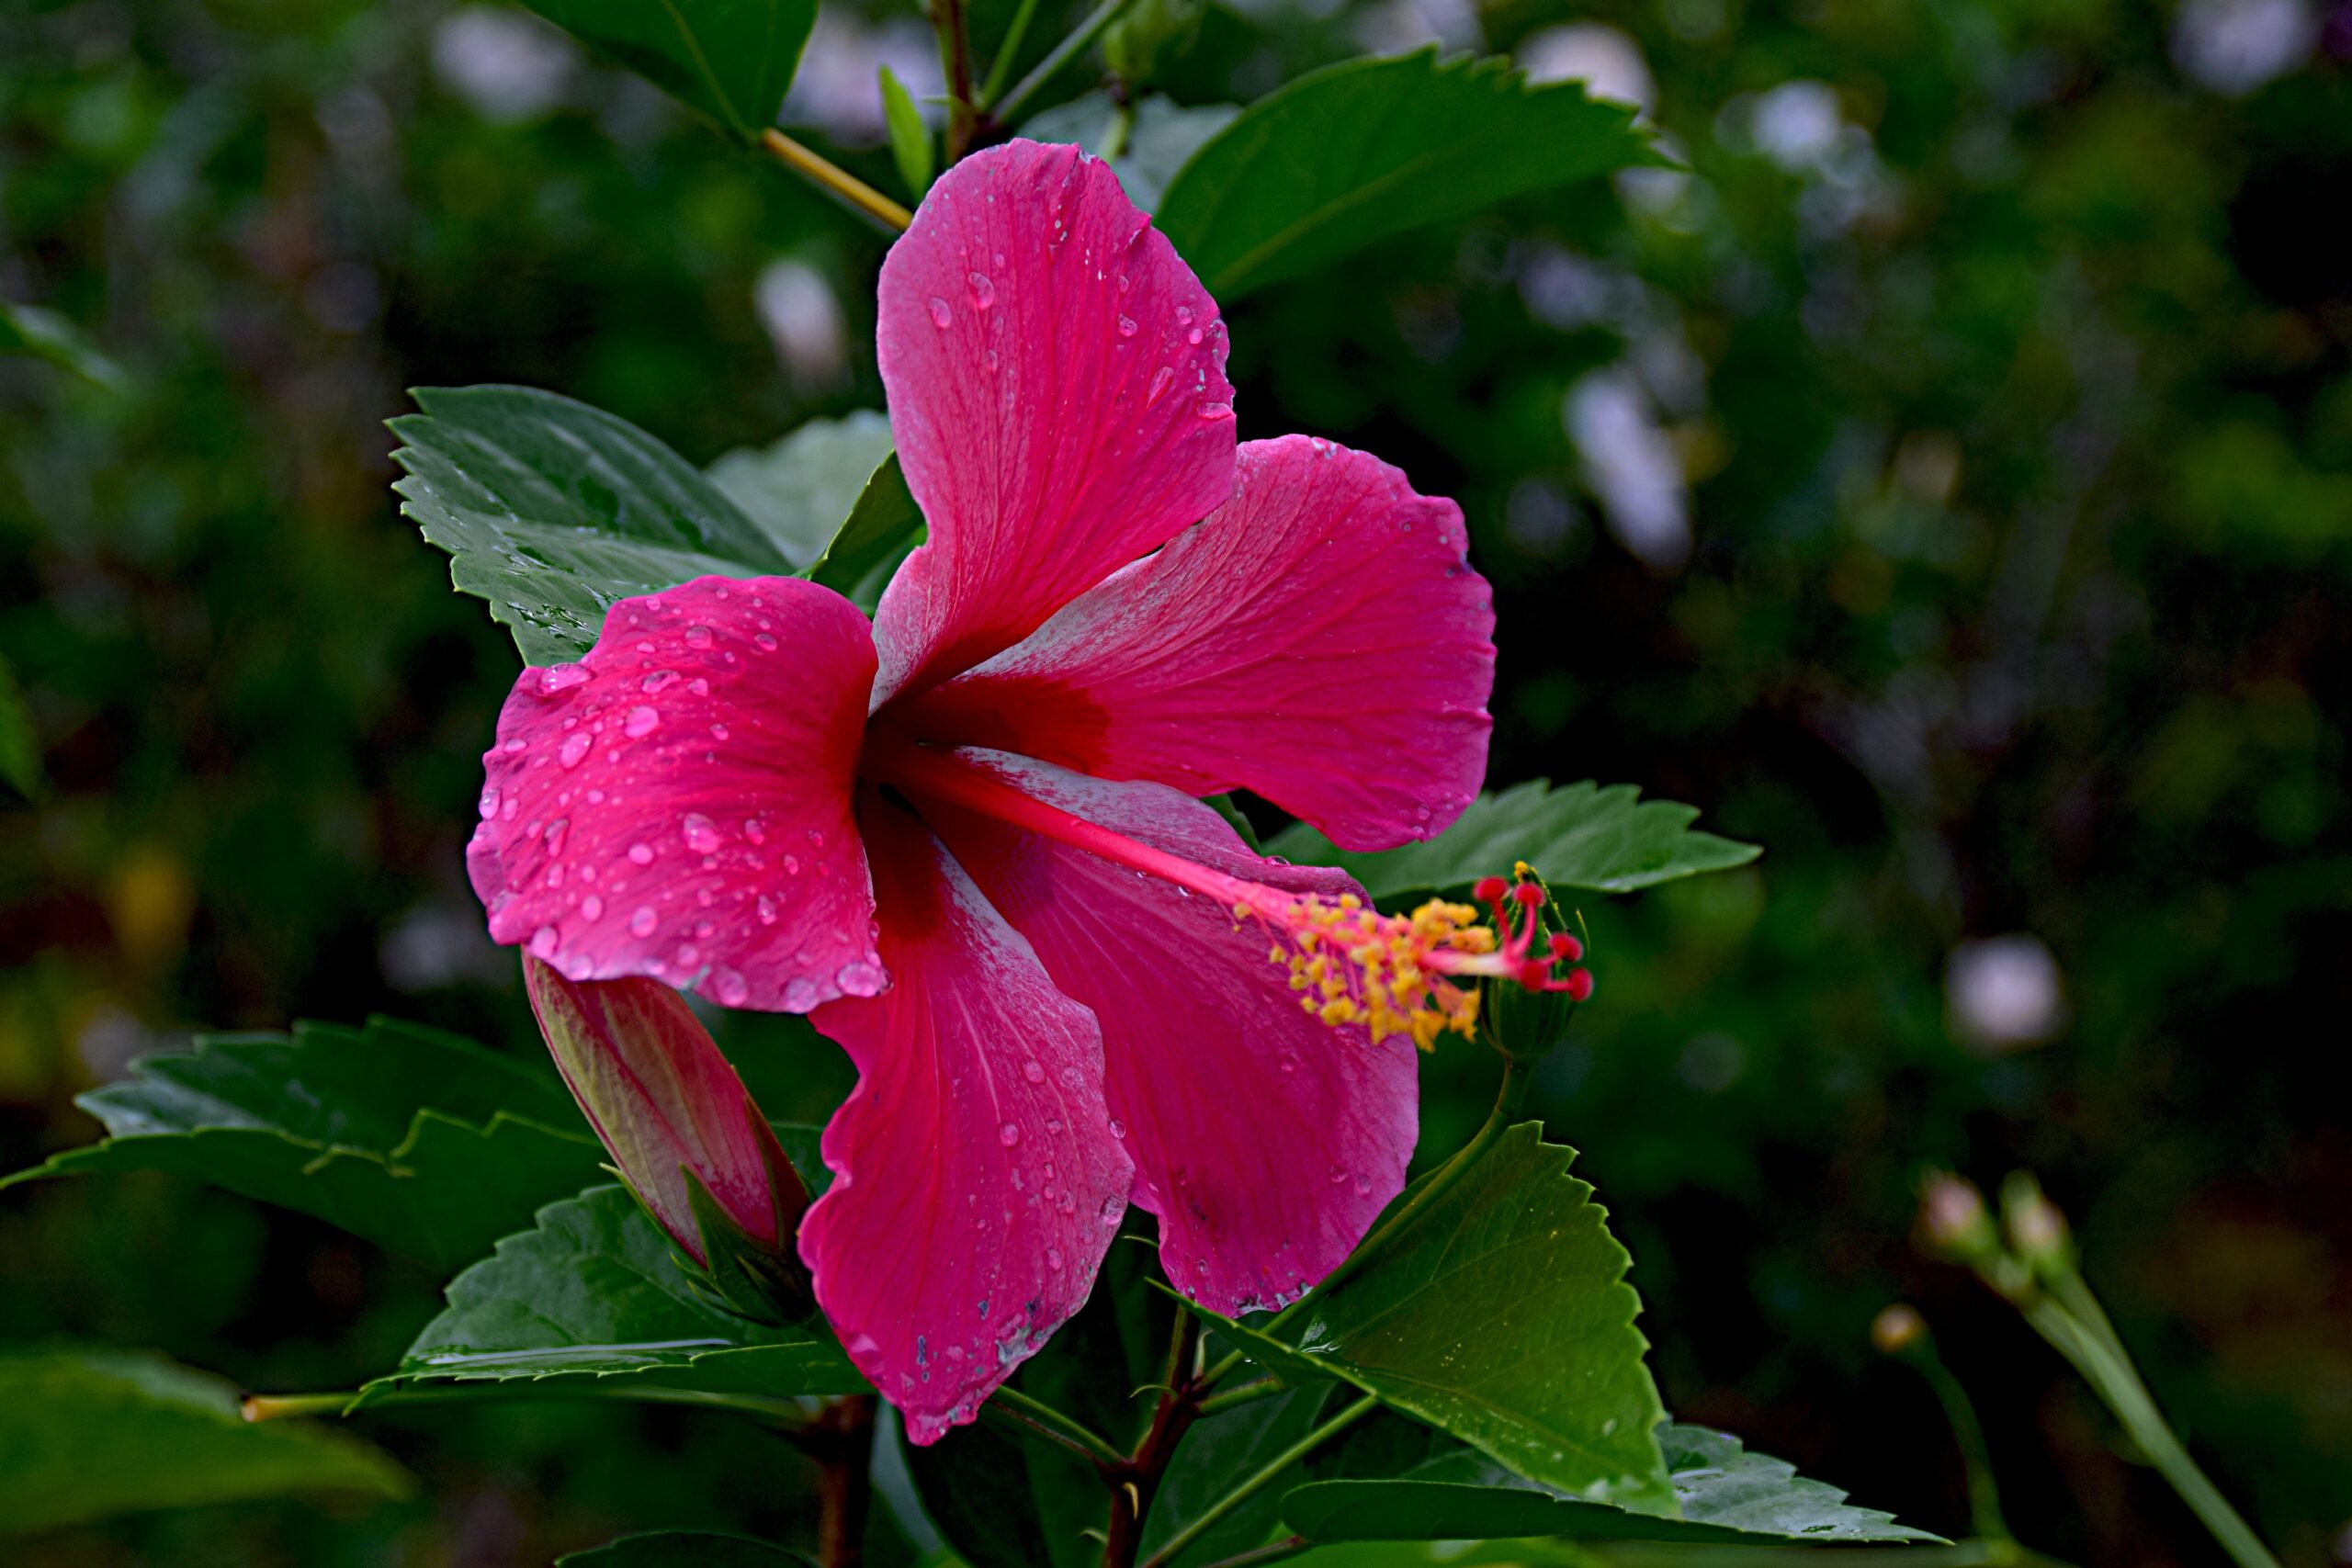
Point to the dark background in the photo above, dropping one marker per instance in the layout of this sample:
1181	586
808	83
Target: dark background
1963	511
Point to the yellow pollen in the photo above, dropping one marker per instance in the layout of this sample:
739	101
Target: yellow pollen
1393	973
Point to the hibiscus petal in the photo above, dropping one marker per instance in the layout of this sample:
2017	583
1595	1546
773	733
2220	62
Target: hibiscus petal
1321	639
978	1184
677	804
1266	1141
1056	388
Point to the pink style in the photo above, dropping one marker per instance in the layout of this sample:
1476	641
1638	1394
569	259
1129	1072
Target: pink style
965	838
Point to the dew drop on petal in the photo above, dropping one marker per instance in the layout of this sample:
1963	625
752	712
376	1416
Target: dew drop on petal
1008	1134
701	837
1054	1258
641	922
1118	1128
574	748
687	954
1161	379
489	802
983	291
698	636
1032	1072
800	997
592	908
727	988
560	677
767	643
859	978
1215	411
1127	326
1111	1212
543	942
642	721
939	317
640	854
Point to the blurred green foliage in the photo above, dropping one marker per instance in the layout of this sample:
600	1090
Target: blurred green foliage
1945	480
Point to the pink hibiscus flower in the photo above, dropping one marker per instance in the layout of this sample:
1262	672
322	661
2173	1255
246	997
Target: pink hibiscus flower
965	838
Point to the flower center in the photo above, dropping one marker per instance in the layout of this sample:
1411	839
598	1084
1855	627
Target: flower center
1350	964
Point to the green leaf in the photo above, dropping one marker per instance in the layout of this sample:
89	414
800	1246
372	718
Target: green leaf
730	60
684	1549
551	510
1003	1500
425	1143
1162	139
45	334
798	490
910	138
86	1433
19	742
1579	836
593	1294
881	529
1728	1497
1368	149
1500	1315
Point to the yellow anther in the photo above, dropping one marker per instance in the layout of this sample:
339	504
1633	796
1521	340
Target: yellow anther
1391	973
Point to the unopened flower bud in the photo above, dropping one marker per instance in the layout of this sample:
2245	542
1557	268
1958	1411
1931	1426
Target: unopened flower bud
1953	1220
2036	1230
1146	32
1897	1328
683	1131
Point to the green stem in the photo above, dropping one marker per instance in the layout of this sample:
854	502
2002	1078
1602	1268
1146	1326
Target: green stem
1968	1434
1272	1552
1102	15
2118	1383
1248	1393
1123	125
1000	71
1011	1404
1264	1478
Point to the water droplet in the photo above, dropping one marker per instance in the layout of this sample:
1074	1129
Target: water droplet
701	837
800	996
1111	1211
698	636
656	680
554	835
642	721
1183	315
1160	380
816	839
575	746
859	978
939	317
767	643
1054	1258
489	802
983	291
718	732
560	677
1032	1072
640	854
767	911
1118	1128
1193	337
755	831
592	908
641	922
687	956
1215	411
792	865
727	988
1127	326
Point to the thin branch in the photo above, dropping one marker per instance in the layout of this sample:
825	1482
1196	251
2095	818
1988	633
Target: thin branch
1006	53
950	20
1202	1522
1249	1393
1011	1404
1102	15
838	182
